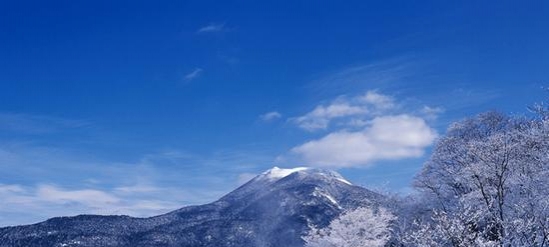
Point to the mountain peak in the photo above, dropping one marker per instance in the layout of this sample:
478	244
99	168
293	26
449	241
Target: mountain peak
275	174
278	173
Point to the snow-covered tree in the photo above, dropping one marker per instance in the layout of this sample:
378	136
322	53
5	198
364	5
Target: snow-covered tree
488	184
356	228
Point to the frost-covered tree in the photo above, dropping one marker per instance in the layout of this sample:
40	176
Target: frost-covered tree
356	228
487	182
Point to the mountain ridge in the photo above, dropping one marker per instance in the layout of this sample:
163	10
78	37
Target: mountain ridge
275	208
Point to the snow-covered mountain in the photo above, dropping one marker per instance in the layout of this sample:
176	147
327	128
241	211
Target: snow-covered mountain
273	209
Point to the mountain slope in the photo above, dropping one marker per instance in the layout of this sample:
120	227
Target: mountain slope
274	209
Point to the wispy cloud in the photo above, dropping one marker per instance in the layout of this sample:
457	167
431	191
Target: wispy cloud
87	197
412	75
197	72
212	28
431	112
270	116
45	200
387	75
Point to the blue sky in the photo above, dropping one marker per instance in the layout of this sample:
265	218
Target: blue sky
141	107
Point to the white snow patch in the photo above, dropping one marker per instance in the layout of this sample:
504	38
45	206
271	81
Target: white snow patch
344	181
71	242
319	193
278	173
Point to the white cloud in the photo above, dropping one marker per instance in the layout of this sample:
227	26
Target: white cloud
212	28
270	116
321	116
193	74
386	138
364	129
378	100
348	111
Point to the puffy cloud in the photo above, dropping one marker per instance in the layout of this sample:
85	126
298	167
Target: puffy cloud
364	129
385	138
348	111
270	116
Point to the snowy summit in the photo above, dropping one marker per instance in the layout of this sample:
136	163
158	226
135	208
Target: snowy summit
278	173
